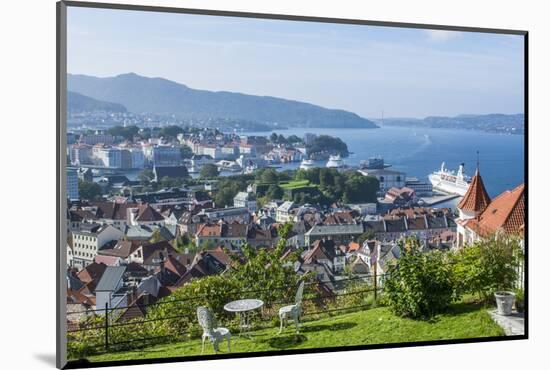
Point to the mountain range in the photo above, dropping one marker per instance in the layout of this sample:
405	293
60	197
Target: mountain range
495	122
142	95
80	103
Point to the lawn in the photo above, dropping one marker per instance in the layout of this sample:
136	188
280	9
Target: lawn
294	184
374	326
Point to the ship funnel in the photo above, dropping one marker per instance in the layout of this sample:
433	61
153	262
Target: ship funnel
442	166
461	169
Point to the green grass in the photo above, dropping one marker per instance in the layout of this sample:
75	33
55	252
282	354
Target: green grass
295	184
374	326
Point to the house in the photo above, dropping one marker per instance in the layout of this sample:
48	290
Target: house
76	217
246	200
112	213
111	292
283	213
211	262
401	197
340	218
327	252
144	214
341	234
121	249
229	214
261	237
231	236
479	216
151	255
89	239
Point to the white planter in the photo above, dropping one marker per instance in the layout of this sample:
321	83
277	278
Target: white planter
505	301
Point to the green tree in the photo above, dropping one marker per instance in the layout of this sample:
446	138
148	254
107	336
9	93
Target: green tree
488	265
269	176
419	284
170	132
274	192
89	190
185	151
209	171
325	143
156	236
359	188
146	176
264	272
171	182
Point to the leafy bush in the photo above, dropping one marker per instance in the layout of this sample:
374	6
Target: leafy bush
488	265
419	284
211	291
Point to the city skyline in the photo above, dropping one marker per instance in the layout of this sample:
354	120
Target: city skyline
363	69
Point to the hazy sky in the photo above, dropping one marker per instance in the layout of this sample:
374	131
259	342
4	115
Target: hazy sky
364	69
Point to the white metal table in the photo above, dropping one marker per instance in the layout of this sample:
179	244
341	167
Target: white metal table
244	308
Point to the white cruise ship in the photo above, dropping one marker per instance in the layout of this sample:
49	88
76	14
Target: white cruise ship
335	161
306	164
449	181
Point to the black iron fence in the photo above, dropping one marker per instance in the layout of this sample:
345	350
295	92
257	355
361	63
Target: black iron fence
109	329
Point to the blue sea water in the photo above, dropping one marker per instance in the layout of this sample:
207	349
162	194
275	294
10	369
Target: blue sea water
420	151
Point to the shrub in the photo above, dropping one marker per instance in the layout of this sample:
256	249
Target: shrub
419	284
488	265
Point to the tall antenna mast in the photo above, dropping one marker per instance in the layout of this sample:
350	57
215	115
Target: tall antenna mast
477	152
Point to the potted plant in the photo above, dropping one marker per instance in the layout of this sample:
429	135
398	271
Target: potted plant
505	300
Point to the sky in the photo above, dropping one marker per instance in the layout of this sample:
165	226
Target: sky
364	69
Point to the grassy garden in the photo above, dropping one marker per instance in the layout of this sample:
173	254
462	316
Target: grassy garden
426	296
373	326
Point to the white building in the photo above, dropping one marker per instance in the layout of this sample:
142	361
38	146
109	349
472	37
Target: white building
388	178
109	157
89	239
283	212
245	199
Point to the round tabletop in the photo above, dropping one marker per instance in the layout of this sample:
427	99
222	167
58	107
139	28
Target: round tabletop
243	305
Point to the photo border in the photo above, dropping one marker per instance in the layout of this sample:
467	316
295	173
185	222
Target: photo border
61	102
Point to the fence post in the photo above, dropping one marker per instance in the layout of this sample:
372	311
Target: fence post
375	284
106	326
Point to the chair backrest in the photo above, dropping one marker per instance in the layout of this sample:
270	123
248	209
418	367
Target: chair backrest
206	321
299	294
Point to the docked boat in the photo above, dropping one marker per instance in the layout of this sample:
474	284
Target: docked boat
374	163
225	165
449	181
307	164
335	161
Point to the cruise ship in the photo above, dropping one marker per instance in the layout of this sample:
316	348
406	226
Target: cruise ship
306	164
449	181
335	161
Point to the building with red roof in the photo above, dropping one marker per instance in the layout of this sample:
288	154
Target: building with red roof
479	216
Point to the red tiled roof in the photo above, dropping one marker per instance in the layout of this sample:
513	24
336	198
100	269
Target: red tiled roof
506	212
476	198
353	246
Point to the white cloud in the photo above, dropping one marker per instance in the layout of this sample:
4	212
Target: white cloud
442	36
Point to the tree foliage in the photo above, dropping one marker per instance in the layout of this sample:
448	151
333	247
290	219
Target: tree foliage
89	190
327	144
488	265
420	284
209	171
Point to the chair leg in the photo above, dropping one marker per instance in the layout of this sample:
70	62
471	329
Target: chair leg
203	340
229	342
281	319
216	346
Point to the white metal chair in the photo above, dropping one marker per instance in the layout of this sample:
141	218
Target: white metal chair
211	330
293	311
